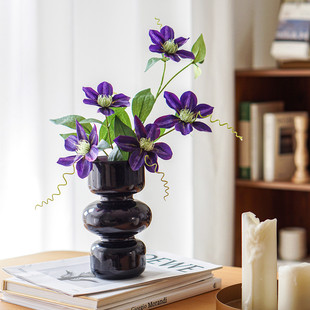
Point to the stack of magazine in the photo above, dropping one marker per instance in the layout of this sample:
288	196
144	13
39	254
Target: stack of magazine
69	284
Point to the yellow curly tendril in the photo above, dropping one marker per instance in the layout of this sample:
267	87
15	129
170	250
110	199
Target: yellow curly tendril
162	176
58	188
228	127
221	124
158	22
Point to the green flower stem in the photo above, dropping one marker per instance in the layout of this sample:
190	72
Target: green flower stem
162	79
109	135
105	153
166	133
158	93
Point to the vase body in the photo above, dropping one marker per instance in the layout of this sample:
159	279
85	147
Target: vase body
116	218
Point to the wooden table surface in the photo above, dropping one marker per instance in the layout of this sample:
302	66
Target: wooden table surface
229	276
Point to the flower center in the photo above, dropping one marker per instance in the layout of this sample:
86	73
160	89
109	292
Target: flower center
104	101
83	147
146	144
187	116
170	47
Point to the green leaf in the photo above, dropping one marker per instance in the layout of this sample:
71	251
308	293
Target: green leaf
116	155
142	104
197	71
103	145
151	62
120	129
69	121
103	132
66	135
199	50
122	115
90	120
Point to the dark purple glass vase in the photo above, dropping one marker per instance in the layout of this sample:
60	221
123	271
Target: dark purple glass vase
116	218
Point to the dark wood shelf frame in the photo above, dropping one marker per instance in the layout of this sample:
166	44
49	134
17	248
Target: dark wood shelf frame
288	202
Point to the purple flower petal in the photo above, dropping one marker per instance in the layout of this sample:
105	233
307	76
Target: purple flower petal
156	48
180	41
92	154
173	101
140	130
120	97
185	54
105	88
93	137
136	159
105	111
90	93
203	110
167	32
91	102
81	135
120	100
70	143
188	100
184	128
163	150
156	37
68	161
201	126
153	131
173	57
83	168
166	121
151	162
126	143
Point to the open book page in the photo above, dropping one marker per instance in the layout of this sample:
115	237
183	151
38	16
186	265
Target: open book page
73	276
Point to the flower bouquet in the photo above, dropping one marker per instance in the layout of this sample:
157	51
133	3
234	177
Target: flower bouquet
128	149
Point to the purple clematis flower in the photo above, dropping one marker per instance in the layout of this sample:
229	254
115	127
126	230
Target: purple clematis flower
85	148
104	99
144	150
187	113
164	42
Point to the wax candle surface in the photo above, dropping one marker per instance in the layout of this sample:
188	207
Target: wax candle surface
294	287
259	263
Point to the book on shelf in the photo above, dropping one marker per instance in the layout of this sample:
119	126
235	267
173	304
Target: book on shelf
69	284
293	33
279	145
251	127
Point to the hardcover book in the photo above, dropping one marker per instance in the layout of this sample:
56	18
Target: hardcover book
251	128
279	145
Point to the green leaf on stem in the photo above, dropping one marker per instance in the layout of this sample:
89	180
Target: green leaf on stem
103	145
121	129
90	120
69	121
151	62
122	115
197	71
142	104
66	135
116	155
103	132
199	50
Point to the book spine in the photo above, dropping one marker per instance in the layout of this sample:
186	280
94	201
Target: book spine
172	296
269	147
244	161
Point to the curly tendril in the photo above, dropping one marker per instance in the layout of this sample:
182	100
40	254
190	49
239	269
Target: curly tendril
58	188
162	176
228	127
158	22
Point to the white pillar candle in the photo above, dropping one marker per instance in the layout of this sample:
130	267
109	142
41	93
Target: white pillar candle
294	287
259	263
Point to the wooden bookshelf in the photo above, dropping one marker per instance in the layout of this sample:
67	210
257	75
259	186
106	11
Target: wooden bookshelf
286	201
